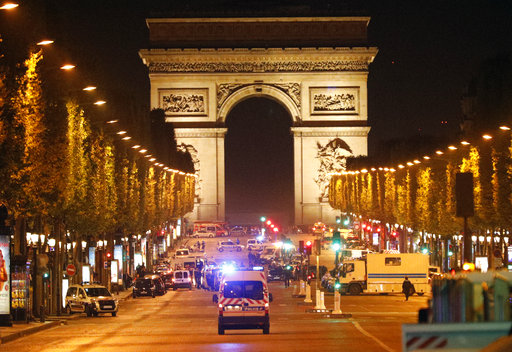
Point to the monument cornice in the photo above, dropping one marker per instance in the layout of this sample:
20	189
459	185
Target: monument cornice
258	60
330	131
200	132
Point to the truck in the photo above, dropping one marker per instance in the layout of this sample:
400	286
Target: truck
385	273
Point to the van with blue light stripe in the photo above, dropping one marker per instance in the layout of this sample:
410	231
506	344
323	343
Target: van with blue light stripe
385	273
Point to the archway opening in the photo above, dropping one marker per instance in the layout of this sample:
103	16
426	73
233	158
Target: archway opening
259	163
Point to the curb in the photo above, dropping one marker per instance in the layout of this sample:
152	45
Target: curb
30	331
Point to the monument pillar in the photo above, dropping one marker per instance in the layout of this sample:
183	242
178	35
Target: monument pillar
206	146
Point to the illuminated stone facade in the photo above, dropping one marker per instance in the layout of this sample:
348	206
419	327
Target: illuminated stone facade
198	78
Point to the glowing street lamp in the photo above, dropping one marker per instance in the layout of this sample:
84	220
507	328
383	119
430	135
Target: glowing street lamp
45	42
67	67
8	6
90	88
100	102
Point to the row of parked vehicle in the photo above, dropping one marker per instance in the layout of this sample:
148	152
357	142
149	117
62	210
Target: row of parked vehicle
157	284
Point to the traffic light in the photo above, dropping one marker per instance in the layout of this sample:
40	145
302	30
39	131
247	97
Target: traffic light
262	219
109	255
309	247
337	285
338	219
301	247
336	241
346	222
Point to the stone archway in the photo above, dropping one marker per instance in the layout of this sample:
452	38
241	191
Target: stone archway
259	162
323	88
285	94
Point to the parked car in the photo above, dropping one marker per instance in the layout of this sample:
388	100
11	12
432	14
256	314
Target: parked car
268	254
149	285
237	231
275	274
167	279
181	279
90	299
203	234
254	245
229	246
182	253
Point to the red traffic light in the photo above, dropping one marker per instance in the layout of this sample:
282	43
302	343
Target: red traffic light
109	255
309	243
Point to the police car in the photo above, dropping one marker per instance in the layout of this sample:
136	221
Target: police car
228	246
243	301
91	299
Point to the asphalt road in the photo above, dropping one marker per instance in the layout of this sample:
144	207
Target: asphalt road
186	320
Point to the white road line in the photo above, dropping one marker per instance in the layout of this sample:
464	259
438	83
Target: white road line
364	332
396	314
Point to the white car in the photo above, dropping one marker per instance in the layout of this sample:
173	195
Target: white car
203	234
229	246
254	245
182	253
90	299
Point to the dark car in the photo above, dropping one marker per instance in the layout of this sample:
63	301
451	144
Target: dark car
150	285
167	279
276	273
237	231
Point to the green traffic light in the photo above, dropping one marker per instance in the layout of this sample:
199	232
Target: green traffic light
346	221
337	285
262	219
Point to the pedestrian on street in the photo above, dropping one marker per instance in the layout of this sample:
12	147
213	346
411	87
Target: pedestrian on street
287	275
407	288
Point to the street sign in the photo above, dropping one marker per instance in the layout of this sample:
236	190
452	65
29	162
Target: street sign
70	270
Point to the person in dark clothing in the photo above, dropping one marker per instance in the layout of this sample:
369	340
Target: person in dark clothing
287	276
197	277
407	288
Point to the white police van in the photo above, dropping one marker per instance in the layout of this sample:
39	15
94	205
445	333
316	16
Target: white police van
243	301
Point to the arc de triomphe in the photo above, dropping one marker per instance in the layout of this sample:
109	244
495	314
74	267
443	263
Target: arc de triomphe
316	67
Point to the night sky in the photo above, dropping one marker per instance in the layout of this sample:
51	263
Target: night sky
428	52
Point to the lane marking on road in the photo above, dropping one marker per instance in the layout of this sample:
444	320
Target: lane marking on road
398	314
366	333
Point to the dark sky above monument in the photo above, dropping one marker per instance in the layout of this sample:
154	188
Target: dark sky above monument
428	50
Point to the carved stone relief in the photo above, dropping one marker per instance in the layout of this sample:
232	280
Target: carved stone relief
332	157
197	165
224	90
184	101
240	67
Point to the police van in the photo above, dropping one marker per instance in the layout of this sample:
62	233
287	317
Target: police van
243	301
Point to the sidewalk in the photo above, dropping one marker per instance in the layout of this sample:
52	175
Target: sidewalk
18	330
